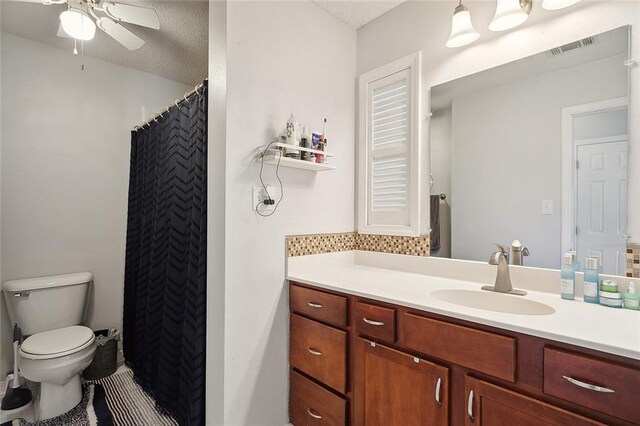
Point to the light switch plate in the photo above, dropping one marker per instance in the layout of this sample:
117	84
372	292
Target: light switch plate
546	207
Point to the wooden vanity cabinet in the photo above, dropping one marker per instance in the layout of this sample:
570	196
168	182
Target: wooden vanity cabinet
396	388
491	405
408	367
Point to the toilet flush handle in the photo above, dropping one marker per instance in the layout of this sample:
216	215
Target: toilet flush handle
21	294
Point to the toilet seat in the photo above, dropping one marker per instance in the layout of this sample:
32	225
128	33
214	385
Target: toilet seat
57	343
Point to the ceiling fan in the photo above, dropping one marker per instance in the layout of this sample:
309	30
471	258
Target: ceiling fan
78	20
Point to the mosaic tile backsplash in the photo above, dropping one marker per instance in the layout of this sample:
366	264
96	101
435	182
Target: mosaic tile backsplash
414	246
633	260
302	245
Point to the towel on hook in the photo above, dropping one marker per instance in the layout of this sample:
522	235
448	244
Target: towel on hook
434	239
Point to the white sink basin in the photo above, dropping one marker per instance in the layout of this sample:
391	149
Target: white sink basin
496	302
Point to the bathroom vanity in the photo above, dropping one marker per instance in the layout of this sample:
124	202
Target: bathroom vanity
377	340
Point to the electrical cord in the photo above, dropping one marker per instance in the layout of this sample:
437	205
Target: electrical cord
265	187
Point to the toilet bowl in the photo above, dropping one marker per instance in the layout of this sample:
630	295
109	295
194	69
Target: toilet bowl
55	359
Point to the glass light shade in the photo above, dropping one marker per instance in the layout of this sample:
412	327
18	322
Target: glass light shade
78	24
557	4
462	31
509	14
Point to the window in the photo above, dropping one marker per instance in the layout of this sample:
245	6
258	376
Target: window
389	158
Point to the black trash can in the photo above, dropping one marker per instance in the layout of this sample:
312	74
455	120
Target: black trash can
105	360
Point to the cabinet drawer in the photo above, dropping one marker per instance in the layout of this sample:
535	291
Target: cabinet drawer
317	304
600	385
320	351
375	321
311	404
482	351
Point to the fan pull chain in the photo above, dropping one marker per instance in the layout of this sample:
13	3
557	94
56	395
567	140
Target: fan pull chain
82	49
75	46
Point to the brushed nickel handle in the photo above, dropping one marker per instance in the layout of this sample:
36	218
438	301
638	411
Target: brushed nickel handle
587	385
314	352
372	322
314	305
438	383
314	415
470	406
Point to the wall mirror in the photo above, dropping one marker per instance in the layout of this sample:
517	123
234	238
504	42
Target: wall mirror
536	151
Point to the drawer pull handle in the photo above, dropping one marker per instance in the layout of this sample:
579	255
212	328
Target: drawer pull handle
314	352
438	383
372	322
314	305
587	385
314	415
470	406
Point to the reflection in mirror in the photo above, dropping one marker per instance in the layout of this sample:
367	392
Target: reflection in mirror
532	154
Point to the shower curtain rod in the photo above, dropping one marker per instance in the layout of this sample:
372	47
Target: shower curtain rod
176	104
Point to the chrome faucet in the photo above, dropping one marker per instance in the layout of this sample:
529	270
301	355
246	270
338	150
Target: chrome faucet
503	278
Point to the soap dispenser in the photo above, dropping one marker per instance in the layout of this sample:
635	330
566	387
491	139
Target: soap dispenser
630	299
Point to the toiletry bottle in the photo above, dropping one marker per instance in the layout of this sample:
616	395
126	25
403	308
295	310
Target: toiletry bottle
630	299
305	142
292	136
591	279
576	263
568	278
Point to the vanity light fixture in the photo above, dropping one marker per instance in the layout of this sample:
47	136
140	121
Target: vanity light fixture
557	4
77	24
510	14
462	31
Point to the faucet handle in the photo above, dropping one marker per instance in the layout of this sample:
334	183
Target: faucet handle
502	249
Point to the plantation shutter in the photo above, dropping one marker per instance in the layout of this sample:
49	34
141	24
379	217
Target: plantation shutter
389	152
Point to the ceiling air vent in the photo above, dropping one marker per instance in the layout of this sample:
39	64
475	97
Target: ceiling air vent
572	46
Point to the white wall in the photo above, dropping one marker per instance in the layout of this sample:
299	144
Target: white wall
216	210
6	350
279	55
65	166
418	25
507	157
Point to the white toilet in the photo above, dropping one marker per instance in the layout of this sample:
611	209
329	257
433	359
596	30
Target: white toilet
50	310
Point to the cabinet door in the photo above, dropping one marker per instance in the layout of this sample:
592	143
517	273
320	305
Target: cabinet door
488	404
395	388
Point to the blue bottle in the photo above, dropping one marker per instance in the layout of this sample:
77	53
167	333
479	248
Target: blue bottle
591	279
568	277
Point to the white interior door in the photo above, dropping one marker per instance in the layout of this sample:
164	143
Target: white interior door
601	203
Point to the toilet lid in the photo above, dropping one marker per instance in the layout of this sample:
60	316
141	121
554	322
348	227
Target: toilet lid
59	342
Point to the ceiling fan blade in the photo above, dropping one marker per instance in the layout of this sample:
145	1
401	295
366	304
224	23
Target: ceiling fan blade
120	33
133	14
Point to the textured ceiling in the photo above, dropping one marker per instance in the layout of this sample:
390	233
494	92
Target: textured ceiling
178	51
358	13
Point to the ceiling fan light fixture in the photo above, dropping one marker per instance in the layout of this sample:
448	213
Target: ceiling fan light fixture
78	24
462	31
510	14
557	4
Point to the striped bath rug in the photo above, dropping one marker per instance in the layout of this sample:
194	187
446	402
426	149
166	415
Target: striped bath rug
129	404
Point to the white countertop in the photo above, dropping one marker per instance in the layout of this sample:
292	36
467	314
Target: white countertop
615	331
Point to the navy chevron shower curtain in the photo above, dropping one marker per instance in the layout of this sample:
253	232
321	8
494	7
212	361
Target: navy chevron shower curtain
165	267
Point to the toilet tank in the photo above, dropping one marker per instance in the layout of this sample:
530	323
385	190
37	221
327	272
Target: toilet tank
47	303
